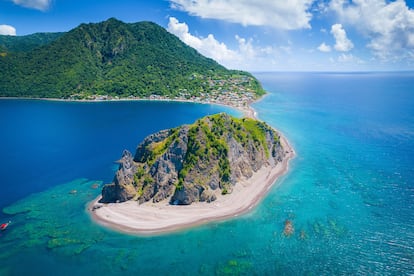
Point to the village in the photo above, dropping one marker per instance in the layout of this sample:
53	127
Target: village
234	91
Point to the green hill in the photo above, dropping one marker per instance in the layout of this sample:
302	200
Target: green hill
115	59
197	162
26	43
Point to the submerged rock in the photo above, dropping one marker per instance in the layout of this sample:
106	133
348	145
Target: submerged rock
288	230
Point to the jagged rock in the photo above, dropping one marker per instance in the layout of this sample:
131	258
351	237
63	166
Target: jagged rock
121	189
195	162
187	195
207	196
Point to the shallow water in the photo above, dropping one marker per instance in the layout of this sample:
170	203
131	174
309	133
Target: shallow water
349	193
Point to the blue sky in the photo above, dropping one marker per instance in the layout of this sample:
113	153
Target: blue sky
259	35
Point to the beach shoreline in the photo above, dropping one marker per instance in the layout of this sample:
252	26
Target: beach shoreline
150	219
247	110
161	218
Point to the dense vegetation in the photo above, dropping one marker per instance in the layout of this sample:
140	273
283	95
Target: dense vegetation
13	44
111	58
207	142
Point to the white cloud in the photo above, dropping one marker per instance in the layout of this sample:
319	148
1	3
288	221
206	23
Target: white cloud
321	7
343	44
349	58
246	56
7	30
324	48
389	25
346	58
207	46
285	15
246	47
42	5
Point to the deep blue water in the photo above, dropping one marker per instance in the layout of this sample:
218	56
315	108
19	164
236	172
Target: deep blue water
44	143
349	192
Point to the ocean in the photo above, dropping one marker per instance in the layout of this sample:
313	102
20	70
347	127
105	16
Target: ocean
349	192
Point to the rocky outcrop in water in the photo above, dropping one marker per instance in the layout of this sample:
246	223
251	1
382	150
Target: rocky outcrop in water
121	188
195	162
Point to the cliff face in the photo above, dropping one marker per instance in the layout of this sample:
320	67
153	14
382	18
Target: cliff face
195	162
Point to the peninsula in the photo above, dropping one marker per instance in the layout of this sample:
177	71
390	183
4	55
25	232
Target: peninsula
216	168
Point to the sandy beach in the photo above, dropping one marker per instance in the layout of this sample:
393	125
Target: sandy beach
247	111
150	218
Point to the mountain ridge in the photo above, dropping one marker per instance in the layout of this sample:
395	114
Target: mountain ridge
13	44
116	59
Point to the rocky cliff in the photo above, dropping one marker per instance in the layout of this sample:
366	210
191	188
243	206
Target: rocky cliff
195	162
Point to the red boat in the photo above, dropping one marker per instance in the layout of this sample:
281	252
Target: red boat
4	226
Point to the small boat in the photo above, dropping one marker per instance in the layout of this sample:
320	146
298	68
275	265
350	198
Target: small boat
4	226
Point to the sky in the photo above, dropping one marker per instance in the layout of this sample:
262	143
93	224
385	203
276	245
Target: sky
252	35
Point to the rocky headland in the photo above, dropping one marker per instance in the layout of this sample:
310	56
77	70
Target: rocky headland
194	163
213	169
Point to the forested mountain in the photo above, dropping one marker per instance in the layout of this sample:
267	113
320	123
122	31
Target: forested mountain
111	58
26	43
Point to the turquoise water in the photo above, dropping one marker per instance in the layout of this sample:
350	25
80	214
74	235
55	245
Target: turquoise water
349	193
